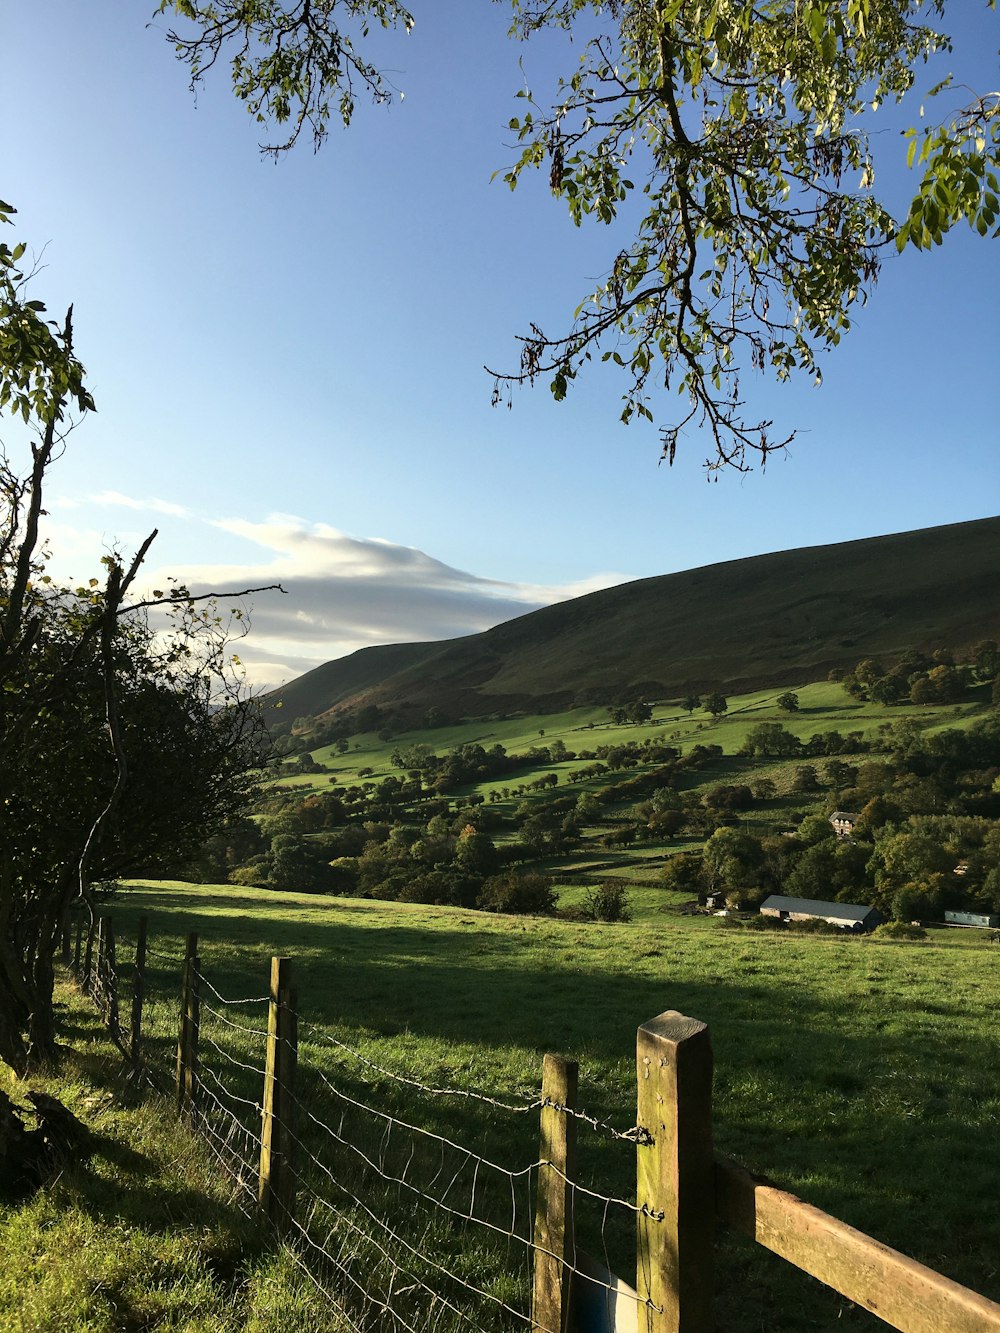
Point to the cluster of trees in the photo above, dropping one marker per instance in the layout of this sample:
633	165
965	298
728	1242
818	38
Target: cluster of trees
634	711
122	745
922	678
927	837
911	870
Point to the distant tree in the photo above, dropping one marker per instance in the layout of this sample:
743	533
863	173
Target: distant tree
609	902
947	682
691	702
683	873
771	740
716	704
891	689
789	701
520	892
923	691
986	660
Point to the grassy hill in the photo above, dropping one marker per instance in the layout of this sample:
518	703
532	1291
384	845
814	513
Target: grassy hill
747	624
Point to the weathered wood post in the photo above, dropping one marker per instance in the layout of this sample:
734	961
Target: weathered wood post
99	964
675	1176
276	1183
187	1041
138	994
554	1235
88	957
110	978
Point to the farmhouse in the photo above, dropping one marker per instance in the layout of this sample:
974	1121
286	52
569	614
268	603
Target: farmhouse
843	822
849	916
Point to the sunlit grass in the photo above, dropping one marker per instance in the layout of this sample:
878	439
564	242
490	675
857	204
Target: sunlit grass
857	1072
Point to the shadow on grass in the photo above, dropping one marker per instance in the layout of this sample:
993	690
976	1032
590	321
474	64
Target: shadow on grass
861	1097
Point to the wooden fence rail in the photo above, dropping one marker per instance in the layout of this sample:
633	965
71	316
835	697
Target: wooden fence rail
683	1191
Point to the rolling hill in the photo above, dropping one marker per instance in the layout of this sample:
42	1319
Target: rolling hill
770	620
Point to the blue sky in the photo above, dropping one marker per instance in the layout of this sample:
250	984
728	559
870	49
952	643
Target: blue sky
287	358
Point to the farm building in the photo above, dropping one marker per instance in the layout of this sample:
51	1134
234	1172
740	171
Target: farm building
843	822
982	919
849	916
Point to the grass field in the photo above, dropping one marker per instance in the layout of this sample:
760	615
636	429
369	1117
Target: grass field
859	1073
823	707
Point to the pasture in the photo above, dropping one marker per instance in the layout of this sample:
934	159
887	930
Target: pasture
856	1072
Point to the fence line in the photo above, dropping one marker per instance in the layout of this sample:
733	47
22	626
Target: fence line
264	1124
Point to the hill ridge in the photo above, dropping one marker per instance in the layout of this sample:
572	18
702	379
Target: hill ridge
775	619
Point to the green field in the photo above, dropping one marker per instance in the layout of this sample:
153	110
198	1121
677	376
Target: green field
857	1072
823	707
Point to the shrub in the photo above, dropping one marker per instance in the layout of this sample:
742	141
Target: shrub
899	930
524	894
610	902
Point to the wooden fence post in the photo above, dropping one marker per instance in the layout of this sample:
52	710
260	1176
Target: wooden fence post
675	1189
554	1235
77	953
97	962
110	978
138	993
88	956
187	1041
276	1185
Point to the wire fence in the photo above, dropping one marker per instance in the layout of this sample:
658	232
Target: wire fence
367	1171
422	1208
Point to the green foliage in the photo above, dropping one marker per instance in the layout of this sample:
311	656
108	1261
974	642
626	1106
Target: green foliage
715	703
898	930
789	701
760	229
608	902
85	683
295	65
522	893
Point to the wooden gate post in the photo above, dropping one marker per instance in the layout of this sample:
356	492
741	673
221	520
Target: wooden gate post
554	1235
276	1182
675	1189
187	1042
138	993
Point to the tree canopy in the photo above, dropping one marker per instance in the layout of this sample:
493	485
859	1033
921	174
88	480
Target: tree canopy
730	139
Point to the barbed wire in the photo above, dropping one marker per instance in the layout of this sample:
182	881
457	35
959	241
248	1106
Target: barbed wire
250	999
237	1027
325	1039
634	1134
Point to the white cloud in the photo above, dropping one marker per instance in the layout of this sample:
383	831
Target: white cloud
117	500
341	592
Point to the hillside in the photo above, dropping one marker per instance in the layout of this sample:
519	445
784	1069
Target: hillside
766	621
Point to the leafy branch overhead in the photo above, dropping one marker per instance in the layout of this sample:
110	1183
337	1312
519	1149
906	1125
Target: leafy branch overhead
726	139
741	128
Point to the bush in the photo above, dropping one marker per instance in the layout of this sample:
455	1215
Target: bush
523	894
609	903
899	930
